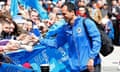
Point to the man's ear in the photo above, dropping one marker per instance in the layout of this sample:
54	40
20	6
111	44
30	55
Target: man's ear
72	12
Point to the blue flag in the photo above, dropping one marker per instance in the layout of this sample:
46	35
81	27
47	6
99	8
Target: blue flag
28	3
14	7
55	1
5	67
35	4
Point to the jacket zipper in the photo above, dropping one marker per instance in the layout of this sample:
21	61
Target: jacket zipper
76	47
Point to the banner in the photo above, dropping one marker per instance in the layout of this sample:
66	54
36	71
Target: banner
36	5
5	67
14	8
57	58
28	3
22	56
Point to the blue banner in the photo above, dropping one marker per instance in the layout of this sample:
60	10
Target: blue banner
22	56
57	58
55	1
35	4
14	8
28	3
5	67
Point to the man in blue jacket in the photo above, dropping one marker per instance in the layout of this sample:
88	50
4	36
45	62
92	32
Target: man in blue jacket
83	47
83	44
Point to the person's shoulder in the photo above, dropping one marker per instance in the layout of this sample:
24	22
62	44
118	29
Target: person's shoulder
78	18
88	20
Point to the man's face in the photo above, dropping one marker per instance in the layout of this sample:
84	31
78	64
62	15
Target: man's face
114	2
66	14
34	16
29	25
81	3
82	11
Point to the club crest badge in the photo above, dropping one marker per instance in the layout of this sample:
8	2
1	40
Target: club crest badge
79	30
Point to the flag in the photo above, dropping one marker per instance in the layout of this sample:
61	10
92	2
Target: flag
55	1
35	4
14	8
5	67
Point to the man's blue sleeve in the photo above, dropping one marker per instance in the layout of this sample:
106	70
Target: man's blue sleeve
94	34
53	30
56	42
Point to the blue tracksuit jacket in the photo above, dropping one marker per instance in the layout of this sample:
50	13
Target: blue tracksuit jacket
81	47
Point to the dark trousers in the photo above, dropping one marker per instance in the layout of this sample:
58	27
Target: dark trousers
116	32
97	68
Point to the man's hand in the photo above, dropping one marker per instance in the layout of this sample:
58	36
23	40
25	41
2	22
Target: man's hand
90	65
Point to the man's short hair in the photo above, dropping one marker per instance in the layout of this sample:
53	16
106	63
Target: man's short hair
70	6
